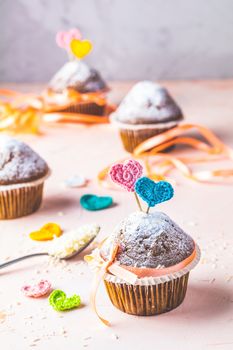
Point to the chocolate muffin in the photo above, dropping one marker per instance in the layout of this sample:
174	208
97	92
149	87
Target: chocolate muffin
78	76
159	254
151	240
147	110
76	88
22	176
19	163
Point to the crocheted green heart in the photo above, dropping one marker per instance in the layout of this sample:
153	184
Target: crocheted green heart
60	302
93	202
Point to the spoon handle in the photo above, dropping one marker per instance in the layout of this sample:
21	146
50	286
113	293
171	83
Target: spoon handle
11	262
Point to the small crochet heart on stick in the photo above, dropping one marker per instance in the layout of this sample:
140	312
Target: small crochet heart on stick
64	38
80	48
125	175
153	192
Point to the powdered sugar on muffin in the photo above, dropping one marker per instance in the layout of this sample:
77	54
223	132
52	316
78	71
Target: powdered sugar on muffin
19	163
149	240
146	103
77	75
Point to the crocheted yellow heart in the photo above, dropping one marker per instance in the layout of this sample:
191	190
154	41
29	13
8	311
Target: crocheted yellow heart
47	232
80	48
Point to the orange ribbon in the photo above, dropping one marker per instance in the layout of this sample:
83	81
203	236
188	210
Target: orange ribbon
159	165
69	118
150	272
56	100
20	111
97	280
19	119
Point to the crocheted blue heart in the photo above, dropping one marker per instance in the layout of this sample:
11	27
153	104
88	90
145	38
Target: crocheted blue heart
93	202
153	193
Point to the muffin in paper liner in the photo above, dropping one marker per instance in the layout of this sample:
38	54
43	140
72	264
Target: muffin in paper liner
133	135
146	261
150	295
145	296
147	110
21	199
68	99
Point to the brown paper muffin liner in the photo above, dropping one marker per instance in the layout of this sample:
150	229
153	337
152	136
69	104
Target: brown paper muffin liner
147	300
21	199
134	134
152	295
85	108
132	138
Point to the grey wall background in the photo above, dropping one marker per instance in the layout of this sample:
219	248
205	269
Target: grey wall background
133	39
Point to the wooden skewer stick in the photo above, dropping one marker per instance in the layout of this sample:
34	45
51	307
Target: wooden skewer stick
138	202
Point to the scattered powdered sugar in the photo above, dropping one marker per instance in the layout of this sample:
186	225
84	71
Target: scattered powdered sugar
18	162
114	336
72	241
147	102
149	240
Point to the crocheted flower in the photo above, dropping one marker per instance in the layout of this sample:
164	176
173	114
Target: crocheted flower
126	174
153	193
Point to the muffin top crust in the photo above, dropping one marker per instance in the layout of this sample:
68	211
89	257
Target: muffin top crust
147	103
149	240
78	76
19	163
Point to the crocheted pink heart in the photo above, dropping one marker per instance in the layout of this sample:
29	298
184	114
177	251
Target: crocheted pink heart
126	174
37	290
63	39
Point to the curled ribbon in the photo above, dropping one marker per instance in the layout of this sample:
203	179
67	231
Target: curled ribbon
54	101
159	165
19	119
97	280
22	112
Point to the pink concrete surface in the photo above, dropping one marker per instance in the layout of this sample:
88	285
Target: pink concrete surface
203	321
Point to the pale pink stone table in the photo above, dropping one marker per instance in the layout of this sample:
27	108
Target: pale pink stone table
203	321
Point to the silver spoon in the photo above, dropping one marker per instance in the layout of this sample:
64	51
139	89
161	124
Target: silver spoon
76	252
